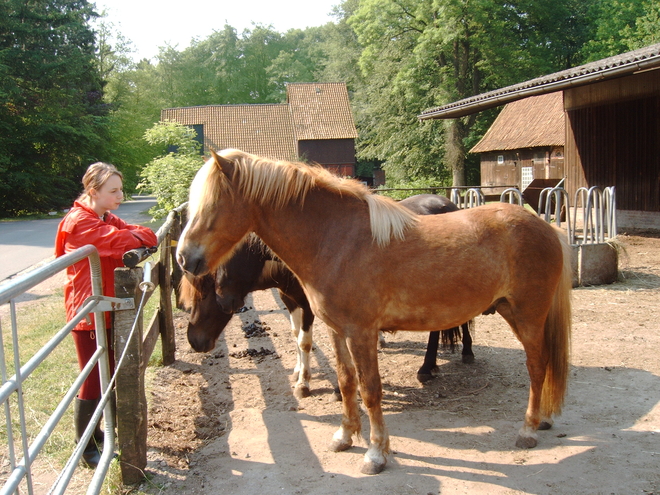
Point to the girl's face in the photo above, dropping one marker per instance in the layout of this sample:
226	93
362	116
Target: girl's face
108	197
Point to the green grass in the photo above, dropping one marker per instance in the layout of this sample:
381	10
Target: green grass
37	322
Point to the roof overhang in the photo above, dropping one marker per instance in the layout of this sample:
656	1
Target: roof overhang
621	65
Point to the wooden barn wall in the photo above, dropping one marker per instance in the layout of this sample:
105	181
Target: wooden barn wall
613	139
617	145
547	162
337	155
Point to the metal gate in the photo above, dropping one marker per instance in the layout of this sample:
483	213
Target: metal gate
12	387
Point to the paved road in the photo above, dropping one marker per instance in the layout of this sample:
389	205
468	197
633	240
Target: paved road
27	243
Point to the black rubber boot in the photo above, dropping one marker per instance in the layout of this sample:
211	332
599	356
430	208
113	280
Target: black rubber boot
83	410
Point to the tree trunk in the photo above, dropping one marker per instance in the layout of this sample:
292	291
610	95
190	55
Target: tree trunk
455	151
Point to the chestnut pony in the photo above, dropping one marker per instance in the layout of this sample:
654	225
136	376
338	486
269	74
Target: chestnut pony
386	268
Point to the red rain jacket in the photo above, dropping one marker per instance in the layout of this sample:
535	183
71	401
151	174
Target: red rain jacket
112	238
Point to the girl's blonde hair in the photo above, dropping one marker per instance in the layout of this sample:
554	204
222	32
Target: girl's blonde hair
97	174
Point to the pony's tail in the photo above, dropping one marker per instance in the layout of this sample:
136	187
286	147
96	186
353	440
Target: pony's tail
558	338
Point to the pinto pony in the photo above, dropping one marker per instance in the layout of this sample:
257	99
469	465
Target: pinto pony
214	297
385	268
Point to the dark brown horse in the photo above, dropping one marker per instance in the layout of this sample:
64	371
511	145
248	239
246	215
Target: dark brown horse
385	268
253	267
432	204
213	299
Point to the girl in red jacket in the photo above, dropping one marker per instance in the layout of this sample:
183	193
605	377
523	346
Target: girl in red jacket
90	221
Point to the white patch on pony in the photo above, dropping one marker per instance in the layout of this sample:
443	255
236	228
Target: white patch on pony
304	347
375	456
196	192
343	437
296	324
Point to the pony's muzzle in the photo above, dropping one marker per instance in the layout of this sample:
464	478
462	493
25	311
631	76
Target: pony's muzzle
194	264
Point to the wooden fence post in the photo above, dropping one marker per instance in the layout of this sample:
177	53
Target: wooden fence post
166	320
129	387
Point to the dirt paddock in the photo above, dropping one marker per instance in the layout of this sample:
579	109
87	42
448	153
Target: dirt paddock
226	422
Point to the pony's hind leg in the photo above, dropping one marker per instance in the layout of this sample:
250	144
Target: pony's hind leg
302	371
467	356
363	346
425	373
530	332
346	376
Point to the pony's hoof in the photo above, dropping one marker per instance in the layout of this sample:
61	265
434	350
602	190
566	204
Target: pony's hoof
372	467
467	359
526	442
336	395
424	377
340	445
301	392
545	425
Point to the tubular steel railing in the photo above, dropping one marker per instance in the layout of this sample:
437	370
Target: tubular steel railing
21	469
133	285
593	212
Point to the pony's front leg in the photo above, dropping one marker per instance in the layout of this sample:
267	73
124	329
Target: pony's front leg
350	421
304	347
363	346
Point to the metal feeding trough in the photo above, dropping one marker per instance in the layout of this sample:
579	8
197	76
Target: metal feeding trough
590	223
590	226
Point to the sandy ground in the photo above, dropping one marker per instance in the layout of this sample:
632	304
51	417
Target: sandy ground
221	422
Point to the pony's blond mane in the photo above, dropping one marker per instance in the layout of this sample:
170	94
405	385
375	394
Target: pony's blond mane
277	183
189	291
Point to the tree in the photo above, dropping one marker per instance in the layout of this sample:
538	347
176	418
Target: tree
300	60
421	54
613	23
52	114
169	175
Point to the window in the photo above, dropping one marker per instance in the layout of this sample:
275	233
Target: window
500	159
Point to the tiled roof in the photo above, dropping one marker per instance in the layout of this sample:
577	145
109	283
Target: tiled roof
321	111
314	111
263	130
528	123
601	70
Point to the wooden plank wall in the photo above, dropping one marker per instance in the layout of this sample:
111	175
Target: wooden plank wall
338	155
548	163
613	139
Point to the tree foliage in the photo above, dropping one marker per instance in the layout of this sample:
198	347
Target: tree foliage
421	54
169	175
52	116
68	98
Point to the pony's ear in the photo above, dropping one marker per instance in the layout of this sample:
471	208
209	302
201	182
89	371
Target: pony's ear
225	166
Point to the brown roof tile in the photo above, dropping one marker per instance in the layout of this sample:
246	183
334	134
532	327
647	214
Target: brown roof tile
263	130
321	111
313	111
529	123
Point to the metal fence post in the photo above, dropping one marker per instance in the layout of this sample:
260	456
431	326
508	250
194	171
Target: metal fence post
130	391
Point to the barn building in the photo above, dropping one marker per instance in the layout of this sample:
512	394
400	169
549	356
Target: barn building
525	142
315	125
611	113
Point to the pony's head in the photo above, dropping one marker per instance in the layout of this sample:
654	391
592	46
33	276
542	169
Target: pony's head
217	218
207	319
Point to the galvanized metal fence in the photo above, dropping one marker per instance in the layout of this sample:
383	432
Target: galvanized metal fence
133	286
13	386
